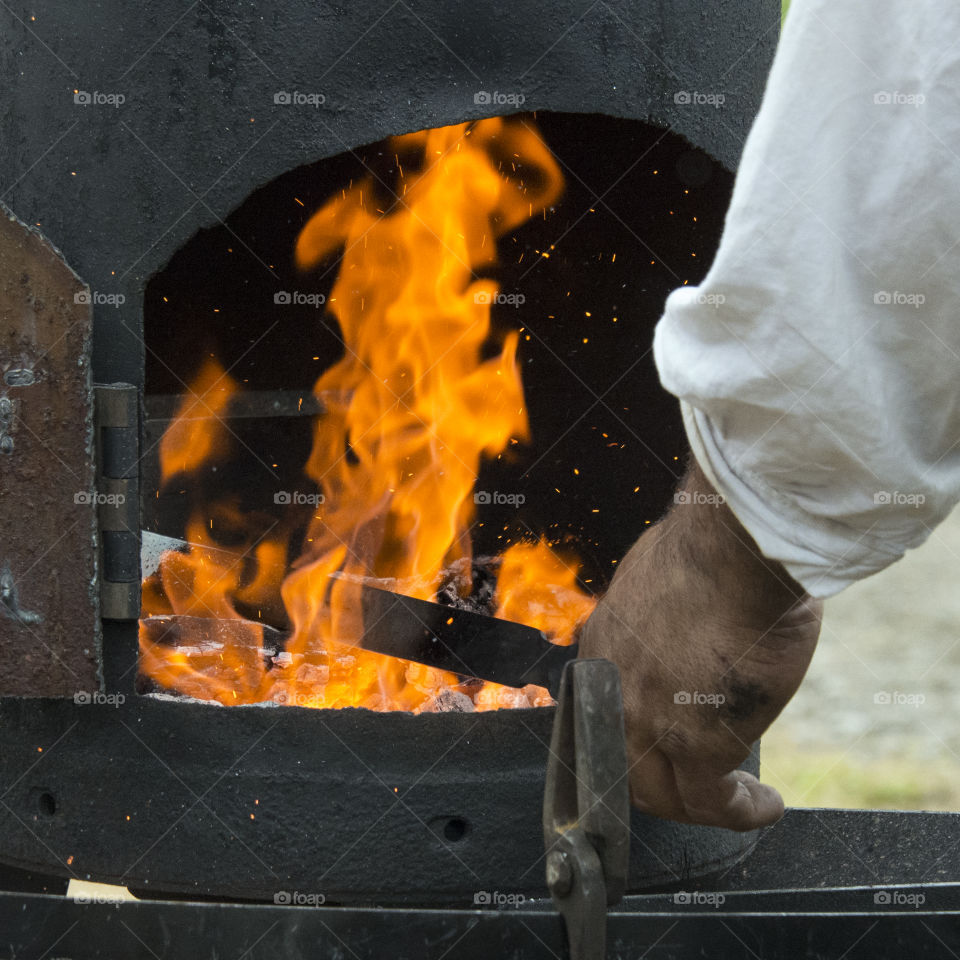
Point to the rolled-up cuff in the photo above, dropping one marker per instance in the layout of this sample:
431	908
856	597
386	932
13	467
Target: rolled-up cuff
822	555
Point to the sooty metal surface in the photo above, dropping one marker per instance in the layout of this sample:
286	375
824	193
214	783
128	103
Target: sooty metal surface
249	801
837	890
844	891
198	128
169	931
352	804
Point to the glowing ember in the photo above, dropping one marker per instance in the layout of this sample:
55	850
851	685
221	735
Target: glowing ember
408	412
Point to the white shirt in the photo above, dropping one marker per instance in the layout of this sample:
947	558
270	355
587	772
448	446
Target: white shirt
818	364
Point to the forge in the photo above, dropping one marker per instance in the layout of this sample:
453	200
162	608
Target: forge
580	212
219	231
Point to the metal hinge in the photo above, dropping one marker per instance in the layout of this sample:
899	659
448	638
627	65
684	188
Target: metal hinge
117	423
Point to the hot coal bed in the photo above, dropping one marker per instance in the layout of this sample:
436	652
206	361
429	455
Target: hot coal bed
178	209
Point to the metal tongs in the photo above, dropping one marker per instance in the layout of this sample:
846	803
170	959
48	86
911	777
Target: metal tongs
586	804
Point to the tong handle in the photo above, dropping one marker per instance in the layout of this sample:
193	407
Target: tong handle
586	805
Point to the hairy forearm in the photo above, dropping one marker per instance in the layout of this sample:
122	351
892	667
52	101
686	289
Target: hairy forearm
702	534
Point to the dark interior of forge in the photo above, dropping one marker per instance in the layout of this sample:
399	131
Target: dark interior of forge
641	214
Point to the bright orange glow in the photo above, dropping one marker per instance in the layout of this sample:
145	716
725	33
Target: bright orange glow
535	586
409	411
196	435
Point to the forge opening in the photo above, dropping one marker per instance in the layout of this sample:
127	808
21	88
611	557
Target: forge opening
452	331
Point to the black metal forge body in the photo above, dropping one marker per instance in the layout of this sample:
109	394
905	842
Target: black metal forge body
245	802
783	902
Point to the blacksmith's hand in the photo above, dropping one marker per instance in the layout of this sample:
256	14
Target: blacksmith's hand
712	640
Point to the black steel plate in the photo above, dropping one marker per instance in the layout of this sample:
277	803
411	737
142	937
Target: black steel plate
248	801
37	926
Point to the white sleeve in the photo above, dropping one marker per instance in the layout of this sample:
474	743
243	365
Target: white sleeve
818	364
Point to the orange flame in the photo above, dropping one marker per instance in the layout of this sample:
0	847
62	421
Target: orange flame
409	411
537	587
196	434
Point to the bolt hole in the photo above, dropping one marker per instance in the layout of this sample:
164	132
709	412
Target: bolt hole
455	829
47	804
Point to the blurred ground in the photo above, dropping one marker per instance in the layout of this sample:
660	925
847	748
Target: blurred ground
875	723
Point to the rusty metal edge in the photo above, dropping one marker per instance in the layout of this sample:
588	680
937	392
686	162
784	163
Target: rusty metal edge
93	587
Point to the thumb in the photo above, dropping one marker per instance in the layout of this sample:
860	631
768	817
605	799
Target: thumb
736	800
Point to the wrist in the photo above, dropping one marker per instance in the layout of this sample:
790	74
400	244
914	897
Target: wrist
715	544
